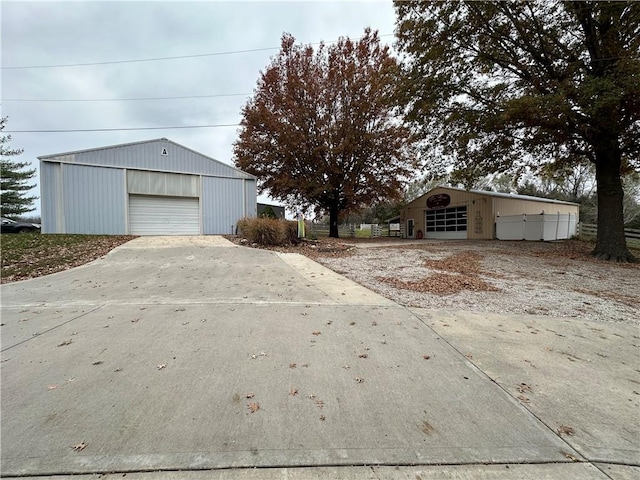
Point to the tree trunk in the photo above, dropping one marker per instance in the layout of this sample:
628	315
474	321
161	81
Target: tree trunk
610	244
333	221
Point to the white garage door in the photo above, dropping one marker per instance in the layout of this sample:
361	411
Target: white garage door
150	215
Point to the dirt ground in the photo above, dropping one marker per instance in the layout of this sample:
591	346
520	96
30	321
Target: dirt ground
557	279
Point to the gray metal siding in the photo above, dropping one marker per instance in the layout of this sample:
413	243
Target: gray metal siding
222	204
250	198
94	200
51	197
148	156
167	184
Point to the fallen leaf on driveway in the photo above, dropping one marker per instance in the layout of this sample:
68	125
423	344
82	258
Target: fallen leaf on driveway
292	365
359	380
250	395
565	430
363	355
79	447
426	357
253	407
523	388
52	387
570	457
97	362
317	333
161	366
66	342
293	392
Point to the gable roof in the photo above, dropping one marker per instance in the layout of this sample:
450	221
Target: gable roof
506	195
65	156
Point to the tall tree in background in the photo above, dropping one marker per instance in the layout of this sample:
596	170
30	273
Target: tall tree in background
13	179
505	85
322	130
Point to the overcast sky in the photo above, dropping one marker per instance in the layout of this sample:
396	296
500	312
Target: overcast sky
63	33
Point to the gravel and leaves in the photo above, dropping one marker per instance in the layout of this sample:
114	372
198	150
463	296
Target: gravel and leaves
32	255
559	279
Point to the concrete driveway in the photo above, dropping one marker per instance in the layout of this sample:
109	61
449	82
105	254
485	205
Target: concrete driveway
191	354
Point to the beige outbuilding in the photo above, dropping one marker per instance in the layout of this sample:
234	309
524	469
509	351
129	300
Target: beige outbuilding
455	213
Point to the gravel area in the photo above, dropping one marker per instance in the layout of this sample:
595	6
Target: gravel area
557	279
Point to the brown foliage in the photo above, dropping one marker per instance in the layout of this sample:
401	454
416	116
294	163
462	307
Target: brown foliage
322	128
466	267
442	284
268	231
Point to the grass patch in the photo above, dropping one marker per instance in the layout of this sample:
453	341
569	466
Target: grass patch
32	255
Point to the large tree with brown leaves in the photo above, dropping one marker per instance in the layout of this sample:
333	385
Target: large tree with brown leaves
501	86
322	128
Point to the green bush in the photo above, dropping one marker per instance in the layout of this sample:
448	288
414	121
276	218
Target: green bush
268	231
268	213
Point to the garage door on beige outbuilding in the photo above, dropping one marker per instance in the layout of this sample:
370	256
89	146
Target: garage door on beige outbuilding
456	213
163	215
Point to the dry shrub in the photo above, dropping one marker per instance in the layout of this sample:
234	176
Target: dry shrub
442	284
268	231
290	231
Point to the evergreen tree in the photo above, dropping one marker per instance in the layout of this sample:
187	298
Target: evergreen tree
13	179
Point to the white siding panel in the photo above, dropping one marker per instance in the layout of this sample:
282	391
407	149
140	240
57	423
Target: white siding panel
148	156
222	204
93	199
151	215
250	199
51	197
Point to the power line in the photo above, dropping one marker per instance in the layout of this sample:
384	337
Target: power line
119	99
140	59
155	59
123	129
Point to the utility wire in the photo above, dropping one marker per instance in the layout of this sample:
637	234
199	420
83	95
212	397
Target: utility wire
123	129
140	59
155	59
119	99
